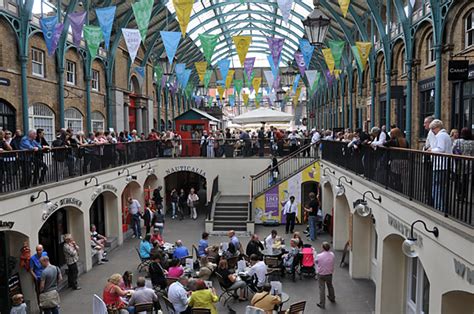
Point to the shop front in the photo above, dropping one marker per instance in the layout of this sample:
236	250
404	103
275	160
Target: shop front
463	103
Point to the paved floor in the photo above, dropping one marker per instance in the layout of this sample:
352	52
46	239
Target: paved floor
353	296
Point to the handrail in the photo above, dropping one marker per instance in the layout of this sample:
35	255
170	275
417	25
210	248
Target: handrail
214	194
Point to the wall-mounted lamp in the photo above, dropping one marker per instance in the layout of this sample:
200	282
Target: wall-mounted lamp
150	170
129	177
340	190
324	177
89	181
361	207
410	245
48	206
46	201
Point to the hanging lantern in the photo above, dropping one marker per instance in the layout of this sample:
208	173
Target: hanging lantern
316	25
288	77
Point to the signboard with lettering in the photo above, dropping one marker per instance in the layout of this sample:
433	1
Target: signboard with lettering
197	170
6	224
458	70
404	229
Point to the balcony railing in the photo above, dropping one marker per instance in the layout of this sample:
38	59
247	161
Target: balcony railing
441	181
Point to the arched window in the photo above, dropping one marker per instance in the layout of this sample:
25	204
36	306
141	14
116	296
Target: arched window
98	121
73	119
7	116
42	117
469	29
430	53
402	61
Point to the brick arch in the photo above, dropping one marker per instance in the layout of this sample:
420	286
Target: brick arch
455	19
422	34
398	50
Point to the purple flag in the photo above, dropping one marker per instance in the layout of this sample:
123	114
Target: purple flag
77	21
276	82
164	78
58	30
276	45
174	87
300	62
248	66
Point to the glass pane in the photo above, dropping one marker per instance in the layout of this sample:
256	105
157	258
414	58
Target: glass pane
426	294
414	268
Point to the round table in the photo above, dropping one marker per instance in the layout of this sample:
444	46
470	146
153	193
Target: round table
284	298
272	252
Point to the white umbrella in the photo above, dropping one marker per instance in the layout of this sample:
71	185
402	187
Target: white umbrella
263	115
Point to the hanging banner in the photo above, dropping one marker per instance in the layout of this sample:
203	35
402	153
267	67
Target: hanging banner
208	44
296	98
256	82
296	82
189	90
300	62
173	87
207	78
355	52
58	30
77	20
179	69
171	43
258	99
229	78
276	46
238	84
307	50
285	8
224	66
242	44
318	77
209	101
221	91
164	80
337	47
185	78
48	27
183	10
93	37
106	20
142	11
272	65
311	77
158	70
337	73
248	66
232	100
364	51
344	5
328	58
269	78
245	98
276	83
132	40
201	68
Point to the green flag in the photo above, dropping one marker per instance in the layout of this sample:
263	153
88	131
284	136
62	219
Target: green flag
355	52
208	44
258	98
238	84
158	74
337	47
142	12
189	90
207	78
93	36
248	82
209	101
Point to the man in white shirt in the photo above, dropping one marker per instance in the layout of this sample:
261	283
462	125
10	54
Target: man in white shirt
259	269
290	209
178	296
134	210
315	140
271	239
379	137
431	137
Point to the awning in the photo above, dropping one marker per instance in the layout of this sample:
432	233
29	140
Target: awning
263	115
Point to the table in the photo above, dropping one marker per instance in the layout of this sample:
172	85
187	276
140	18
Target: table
284	298
272	252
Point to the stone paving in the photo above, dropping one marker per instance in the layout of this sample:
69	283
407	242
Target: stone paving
353	296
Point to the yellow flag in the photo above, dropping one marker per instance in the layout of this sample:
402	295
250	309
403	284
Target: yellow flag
344	5
328	57
183	10
201	68
242	44
296	98
364	51
229	78
256	82
221	91
337	73
246	98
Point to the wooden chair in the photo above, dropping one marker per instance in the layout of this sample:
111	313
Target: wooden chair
226	293
201	311
144	263
295	308
169	305
144	307
274	268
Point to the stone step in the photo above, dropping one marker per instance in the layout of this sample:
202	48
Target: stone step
229	227
220	216
230	211
230	222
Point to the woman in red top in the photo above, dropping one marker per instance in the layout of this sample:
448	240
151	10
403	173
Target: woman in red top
112	293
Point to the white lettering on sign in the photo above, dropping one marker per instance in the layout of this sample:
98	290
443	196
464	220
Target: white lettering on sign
185	168
404	229
463	271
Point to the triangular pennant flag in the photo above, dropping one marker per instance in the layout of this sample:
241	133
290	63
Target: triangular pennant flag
238	84
183	10
232	100
300	62
311	77
224	66
106	20
208	44
242	44
329	59
93	37
337	73
272	65
132	40
355	52
48	27
209	101
276	46
245	98
201	68
344	5
158	75
171	43
207	78
77	20
269	78
221	91
58	30
307	50
179	69
296	82
285	8
276	83
296	98
185	78
248	66
256	82
229	78
142	11
364	51
258	99
337	47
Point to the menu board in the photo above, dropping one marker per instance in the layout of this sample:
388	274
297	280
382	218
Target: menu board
14	285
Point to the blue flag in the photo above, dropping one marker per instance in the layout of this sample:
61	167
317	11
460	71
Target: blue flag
296	82
179	69
106	20
272	65
307	50
184	79
232	100
48	26
224	66
171	43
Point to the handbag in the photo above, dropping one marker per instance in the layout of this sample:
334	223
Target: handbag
49	300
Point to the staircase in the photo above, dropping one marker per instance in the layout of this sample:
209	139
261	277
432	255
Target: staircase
231	213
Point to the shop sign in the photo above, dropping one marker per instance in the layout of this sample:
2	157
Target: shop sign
470	76
70	201
6	224
102	188
458	70
4	81
199	171
404	229
427	84
463	271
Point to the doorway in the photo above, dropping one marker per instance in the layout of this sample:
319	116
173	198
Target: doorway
96	214
51	236
186	180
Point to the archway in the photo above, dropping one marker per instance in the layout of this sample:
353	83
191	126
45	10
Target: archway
327	203
306	188
151	183
342	215
104	214
459	302
7	116
360	257
133	189
186	180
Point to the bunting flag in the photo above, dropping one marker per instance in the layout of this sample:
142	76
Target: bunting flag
355	52
209	101
183	10
164	79
269	78
208	44
77	20
300	62
106	20
173	87
276	46
337	47
276	83
224	66
272	65
58	30
179	69
248	66
221	91
242	44
238	84
158	75
142	11
201	68
318	77
232	100
256	82
189	90
258	99
185	78
229	78
296	98
48	27
344	5
171	43
207	78
132	40
285	8
364	51
337	73
296	82
328	58
307	50
93	37
245	98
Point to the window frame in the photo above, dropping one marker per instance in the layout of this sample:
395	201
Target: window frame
469	32
430	53
37	52
72	73
95	80
74	120
426	98
49	130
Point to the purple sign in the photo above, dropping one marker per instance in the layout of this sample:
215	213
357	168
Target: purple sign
272	202
248	66
299	58
275	45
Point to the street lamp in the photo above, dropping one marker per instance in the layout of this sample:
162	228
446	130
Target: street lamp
325	177
340	190
361	207
409	246
288	77
316	25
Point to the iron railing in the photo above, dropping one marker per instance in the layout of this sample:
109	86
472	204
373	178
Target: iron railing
443	182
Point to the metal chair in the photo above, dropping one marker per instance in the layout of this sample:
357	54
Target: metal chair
201	311
226	293
144	307
274	268
295	308
169	306
144	263
196	251
232	262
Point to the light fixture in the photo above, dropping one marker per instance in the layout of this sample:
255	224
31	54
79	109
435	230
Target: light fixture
150	170
410	245
90	181
129	177
340	190
316	25
288	77
48	206
46	201
361	207
324	177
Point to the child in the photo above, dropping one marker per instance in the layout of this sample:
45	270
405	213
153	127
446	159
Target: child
18	306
